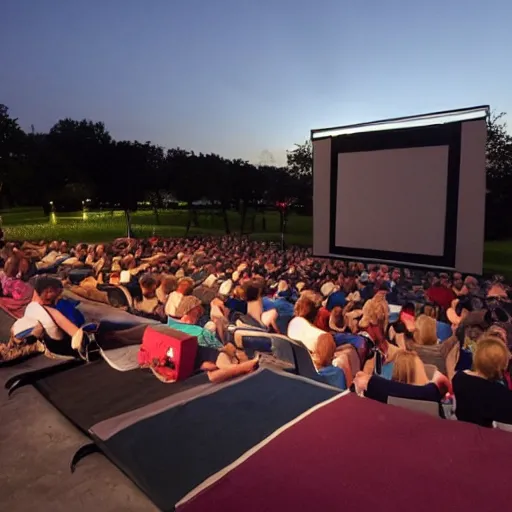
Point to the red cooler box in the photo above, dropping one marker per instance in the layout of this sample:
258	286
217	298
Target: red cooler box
169	352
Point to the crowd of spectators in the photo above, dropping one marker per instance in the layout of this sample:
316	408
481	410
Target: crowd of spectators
381	331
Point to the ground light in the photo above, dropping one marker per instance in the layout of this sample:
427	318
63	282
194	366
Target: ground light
85	213
53	215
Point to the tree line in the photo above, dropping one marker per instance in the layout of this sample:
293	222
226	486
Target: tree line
77	161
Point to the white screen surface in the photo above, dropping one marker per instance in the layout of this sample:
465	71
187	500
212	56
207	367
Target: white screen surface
396	198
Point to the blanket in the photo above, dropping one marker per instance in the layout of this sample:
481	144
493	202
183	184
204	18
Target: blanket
14	307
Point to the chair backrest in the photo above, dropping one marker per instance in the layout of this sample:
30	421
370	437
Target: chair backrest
283	349
303	362
430	408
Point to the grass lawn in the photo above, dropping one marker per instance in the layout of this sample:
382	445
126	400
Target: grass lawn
31	224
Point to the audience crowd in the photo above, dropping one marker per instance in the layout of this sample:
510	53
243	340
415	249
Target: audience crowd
383	332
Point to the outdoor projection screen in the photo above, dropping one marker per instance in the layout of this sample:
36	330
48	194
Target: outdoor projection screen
408	191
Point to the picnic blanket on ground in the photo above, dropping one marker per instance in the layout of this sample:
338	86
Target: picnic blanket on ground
403	461
90	393
168	449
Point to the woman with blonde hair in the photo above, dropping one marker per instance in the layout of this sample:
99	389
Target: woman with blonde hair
481	395
408	368
409	380
425	332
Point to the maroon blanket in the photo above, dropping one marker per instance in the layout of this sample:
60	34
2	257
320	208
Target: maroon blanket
357	454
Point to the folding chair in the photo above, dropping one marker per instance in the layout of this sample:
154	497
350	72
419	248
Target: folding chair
430	408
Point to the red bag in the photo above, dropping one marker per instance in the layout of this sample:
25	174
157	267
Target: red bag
169	353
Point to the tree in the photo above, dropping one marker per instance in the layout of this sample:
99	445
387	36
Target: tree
300	160
499	178
126	161
13	162
300	167
77	152
189	182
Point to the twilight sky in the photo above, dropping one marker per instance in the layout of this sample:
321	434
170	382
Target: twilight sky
246	77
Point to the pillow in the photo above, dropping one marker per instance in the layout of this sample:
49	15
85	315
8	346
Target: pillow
210	281
125	277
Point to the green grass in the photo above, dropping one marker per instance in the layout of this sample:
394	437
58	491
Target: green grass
32	224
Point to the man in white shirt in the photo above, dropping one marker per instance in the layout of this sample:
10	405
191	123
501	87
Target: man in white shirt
62	337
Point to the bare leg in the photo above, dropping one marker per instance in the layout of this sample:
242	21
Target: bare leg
63	323
231	371
269	319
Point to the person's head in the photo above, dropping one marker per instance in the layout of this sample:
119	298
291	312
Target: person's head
253	290
363	279
148	285
404	368
48	290
307	307
337	319
168	284
185	286
395	274
324	351
189	309
425	332
444	280
239	293
491	357
12	266
458	282
100	250
497	290
471	284
472	327
381	290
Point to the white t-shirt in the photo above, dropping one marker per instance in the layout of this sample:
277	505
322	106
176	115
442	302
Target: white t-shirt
300	329
39	313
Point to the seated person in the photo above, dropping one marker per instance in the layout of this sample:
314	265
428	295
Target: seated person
420	335
149	305
302	329
61	337
253	289
408	381
184	289
168	284
481	396
12	284
55	254
425	332
375	317
189	311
